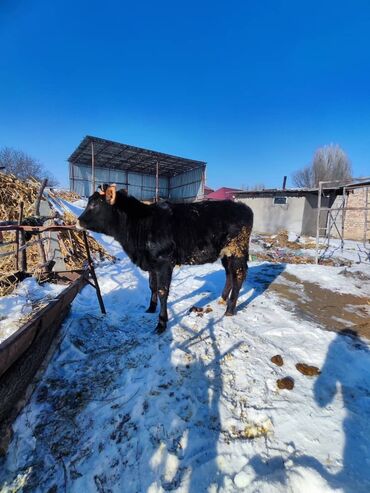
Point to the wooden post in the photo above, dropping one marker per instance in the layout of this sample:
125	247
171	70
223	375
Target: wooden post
318	222
92	272
157	182
20	214
203	182
126	178
366	230
22	240
39	197
92	168
344	204
40	245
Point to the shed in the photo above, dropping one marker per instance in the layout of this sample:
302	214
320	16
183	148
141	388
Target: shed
144	173
293	210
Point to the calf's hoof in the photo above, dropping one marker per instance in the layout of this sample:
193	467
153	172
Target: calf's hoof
160	329
229	313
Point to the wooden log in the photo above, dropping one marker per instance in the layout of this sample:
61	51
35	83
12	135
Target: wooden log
39	196
22	241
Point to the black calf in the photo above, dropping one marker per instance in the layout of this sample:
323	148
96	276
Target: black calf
157	237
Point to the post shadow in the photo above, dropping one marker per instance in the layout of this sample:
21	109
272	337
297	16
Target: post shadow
198	461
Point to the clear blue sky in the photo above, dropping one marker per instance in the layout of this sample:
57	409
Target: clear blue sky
253	88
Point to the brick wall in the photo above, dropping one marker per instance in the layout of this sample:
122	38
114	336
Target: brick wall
355	220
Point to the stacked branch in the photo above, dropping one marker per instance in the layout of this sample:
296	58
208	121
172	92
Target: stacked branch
73	248
68	195
14	191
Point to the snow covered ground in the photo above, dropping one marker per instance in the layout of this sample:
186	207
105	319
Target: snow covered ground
355	251
197	409
18	305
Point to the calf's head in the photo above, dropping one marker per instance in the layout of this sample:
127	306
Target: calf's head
98	215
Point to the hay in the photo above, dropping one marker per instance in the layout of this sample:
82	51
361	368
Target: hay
12	192
286	257
73	247
66	195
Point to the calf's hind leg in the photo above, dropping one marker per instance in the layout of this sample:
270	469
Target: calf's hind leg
228	282
154	289
164	275
238	270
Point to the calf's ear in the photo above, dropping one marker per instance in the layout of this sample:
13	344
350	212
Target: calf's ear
110	194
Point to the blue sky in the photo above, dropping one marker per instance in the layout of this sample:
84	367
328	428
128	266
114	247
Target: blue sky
253	88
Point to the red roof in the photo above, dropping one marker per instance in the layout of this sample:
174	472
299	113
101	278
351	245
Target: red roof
223	193
208	190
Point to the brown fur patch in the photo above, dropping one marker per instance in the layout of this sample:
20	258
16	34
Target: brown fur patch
238	246
110	194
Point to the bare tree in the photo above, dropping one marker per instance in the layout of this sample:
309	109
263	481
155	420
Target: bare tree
303	178
253	188
330	163
23	166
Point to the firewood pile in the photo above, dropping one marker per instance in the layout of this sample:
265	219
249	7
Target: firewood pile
13	191
66	195
73	248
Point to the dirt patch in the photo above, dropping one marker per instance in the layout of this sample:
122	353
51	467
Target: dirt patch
278	248
332	310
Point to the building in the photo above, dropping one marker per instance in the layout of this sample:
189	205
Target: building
357	217
223	193
293	210
207	190
350	215
145	174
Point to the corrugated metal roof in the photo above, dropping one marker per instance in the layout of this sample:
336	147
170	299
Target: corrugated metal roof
115	155
281	191
356	184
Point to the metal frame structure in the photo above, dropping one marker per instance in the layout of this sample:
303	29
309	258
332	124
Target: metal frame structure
336	216
96	153
21	248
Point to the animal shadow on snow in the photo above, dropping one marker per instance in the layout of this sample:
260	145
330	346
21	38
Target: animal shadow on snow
259	278
179	402
199	394
203	383
345	375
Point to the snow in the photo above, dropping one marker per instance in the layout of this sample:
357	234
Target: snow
19	304
82	203
196	409
334	278
354	251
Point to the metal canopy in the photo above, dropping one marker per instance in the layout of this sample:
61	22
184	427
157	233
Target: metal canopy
113	155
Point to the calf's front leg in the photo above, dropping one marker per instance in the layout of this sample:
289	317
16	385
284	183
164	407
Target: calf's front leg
164	276
154	290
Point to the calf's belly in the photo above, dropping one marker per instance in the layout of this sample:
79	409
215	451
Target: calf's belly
198	257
